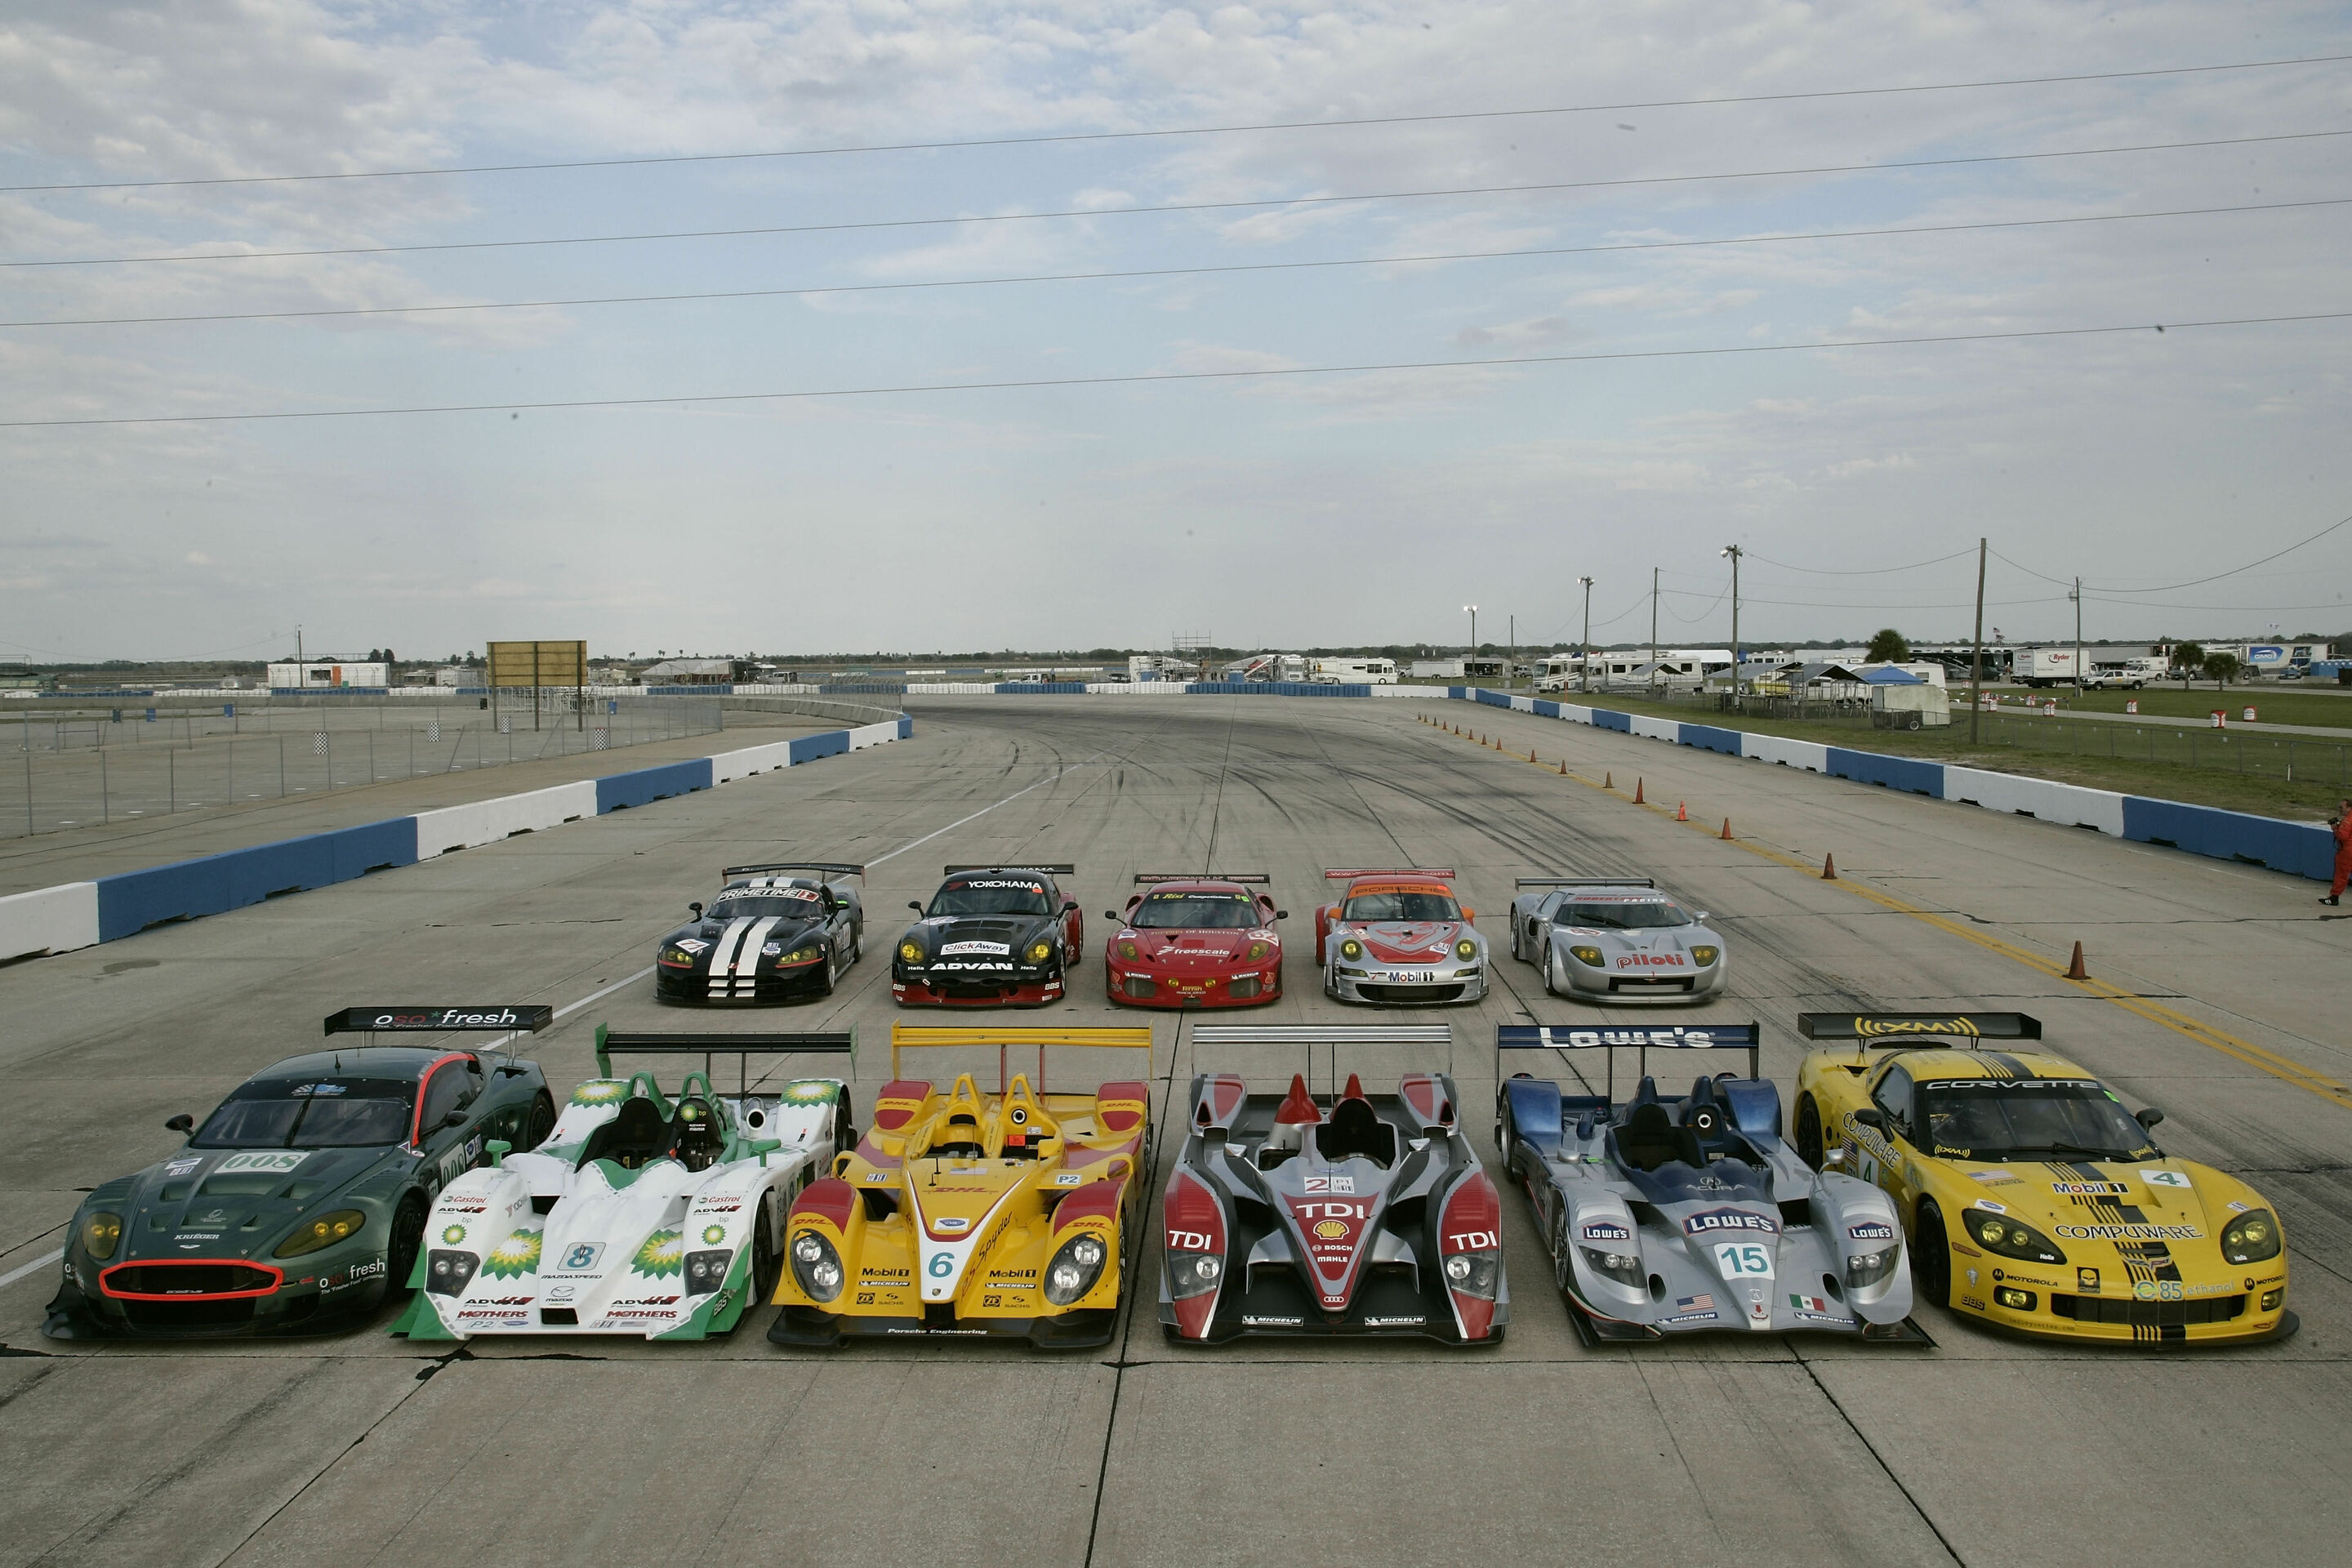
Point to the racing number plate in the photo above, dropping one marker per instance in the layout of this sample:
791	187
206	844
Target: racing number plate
1743	1261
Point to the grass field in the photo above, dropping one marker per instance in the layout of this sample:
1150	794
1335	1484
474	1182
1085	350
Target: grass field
2276	704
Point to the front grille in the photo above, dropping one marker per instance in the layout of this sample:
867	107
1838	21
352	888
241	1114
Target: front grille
1648	982
1243	988
559	1317
2149	1314
189	1279
1141	986
193	1314
1409	992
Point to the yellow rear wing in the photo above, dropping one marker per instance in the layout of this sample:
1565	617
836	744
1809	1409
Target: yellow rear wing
1134	1038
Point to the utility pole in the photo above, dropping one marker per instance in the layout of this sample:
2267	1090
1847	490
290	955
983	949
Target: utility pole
1511	670
2077	596
1976	661
1473	654
1584	665
1734	552
1653	614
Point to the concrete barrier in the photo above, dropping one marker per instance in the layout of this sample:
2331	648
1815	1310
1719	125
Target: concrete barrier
488	821
48	919
2072	806
643	787
2295	846
751	760
131	902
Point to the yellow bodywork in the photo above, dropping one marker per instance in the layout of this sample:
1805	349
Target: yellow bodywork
949	1214
2141	1240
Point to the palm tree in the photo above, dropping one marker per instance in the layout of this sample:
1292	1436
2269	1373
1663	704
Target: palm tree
2219	668
2189	659
1887	648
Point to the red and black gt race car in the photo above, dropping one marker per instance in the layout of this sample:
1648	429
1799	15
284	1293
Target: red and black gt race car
993	936
1195	942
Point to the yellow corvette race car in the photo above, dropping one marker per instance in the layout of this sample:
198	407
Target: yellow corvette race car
962	1212
2034	1200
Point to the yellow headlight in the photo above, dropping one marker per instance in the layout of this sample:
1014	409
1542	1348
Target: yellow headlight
101	1235
1465	950
1351	949
1258	949
324	1231
1703	956
912	951
1039	952
1126	950
1590	955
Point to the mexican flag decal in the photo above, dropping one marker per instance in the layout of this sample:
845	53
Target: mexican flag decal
662	1253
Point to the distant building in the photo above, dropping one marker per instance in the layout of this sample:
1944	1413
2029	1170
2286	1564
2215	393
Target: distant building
691	672
327	674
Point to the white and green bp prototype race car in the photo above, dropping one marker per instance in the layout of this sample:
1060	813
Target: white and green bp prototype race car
641	1214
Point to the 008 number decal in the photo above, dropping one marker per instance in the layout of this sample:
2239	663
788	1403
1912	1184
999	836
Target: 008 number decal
1743	1260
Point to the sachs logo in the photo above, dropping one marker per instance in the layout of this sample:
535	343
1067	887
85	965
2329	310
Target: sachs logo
1867	1027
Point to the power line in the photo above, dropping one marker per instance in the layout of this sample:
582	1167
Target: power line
1131	274
1867	572
1077	136
1168	207
1171	376
2200	582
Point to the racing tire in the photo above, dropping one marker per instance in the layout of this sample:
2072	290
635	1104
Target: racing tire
1549	989
1564	1272
1808	1131
844	1131
832	970
1516	956
767	1259
407	1242
1931	1258
538	1123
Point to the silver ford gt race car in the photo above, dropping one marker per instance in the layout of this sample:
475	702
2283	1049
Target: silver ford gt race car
1672	1216
1615	940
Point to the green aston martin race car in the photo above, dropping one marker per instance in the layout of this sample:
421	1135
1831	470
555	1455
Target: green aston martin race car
301	1199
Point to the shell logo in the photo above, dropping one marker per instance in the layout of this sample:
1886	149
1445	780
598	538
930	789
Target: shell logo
1331	1229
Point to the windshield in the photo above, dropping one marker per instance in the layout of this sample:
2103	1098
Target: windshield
1402	906
349	1115
793	903
1195	911
1984	1118
1622	914
990	896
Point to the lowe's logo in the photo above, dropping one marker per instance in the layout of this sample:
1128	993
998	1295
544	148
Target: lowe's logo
1729	1219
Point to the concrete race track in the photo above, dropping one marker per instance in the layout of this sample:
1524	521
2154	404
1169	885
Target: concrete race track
2221	999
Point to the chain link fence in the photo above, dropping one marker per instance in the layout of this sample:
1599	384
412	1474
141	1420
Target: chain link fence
83	764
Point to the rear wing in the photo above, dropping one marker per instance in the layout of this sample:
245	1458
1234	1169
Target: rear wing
1308	1037
1918	1031
743	1048
1573	1037
1584	882
1408	872
827	869
1135	1038
1144	877
504	1018
1034	870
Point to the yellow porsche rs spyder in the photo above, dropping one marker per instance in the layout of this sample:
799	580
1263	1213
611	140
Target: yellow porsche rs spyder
967	1213
2033	1199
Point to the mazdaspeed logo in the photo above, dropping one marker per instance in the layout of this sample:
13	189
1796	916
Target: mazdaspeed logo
712	1234
599	1091
516	1255
1866	1027
662	1253
807	1091
941	1265
452	1234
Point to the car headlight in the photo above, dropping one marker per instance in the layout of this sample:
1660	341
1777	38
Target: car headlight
676	958
1075	1269
1257	950
801	955
1473	1273
1465	950
102	1233
1590	955
2011	1238
707	1271
1703	956
1126	950
1863	1269
816	1265
1039	952
447	1272
324	1231
912	951
2251	1237
1625	1267
1351	949
1193	1273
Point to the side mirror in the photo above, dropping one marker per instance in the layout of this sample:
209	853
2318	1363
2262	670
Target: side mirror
1069	904
454	1119
1870	1116
2147	1116
497	1149
1112	916
914	905
183	1122
1699	915
1282	914
1469	917
695	909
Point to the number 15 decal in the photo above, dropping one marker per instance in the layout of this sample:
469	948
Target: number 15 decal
1747	1258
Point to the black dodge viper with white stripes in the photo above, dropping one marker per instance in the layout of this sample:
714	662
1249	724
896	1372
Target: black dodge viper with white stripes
771	934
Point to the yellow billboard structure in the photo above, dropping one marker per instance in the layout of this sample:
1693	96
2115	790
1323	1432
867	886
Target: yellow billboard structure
537	665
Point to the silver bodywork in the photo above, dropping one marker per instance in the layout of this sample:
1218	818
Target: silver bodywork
1432	976
1646	966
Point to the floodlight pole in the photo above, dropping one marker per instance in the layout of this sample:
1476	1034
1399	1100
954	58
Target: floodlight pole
1734	552
1976	660
1584	665
1473	654
1654	619
2077	596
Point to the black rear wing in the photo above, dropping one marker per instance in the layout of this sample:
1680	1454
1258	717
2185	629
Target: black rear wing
743	1048
1747	1036
1257	877
1584	882
499	1017
1033	870
827	868
1907	1028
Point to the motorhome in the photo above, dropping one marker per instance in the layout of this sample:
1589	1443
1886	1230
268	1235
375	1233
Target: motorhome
1677	668
1354	672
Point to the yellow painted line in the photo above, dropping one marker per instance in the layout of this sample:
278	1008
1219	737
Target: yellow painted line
2284	1068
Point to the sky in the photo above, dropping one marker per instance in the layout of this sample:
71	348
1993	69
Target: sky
1635	398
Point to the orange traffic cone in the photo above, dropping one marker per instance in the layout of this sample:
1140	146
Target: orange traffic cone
1563	767
1726	830
1608	780
1637	794
1681	811
1829	868
2074	970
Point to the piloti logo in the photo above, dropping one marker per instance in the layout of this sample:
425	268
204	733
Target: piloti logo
1650	960
1956	1026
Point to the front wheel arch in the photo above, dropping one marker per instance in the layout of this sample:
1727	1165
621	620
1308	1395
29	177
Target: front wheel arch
1810	1146
1931	1255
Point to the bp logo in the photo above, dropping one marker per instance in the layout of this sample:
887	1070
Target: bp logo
807	1091
516	1255
941	1265
712	1234
662	1253
453	1235
599	1091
